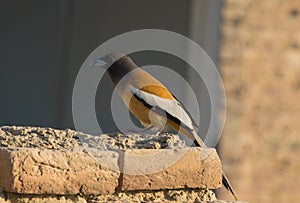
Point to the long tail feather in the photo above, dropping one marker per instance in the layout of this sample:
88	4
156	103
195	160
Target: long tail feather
227	185
198	142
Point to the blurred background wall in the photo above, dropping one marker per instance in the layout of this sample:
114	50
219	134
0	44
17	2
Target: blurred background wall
260	64
43	44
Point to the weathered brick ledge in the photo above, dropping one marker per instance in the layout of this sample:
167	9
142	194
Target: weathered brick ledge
82	171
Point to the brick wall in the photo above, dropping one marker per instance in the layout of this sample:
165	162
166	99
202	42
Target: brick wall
260	63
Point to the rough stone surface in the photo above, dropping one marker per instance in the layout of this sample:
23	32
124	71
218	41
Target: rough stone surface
183	195
17	198
41	171
36	137
170	169
44	162
187	195
49	138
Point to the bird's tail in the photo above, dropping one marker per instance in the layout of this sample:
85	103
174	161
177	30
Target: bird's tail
198	142
227	185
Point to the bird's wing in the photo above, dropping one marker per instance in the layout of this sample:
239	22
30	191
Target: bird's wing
193	121
172	108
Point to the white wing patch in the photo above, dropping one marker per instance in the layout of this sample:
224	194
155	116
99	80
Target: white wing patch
172	107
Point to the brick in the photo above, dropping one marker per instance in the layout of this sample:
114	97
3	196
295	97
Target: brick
71	172
170	169
41	171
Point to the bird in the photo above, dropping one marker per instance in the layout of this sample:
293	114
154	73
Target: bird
150	101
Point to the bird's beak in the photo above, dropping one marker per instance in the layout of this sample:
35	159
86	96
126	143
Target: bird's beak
98	62
106	61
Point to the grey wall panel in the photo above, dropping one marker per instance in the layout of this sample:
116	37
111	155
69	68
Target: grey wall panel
29	65
44	43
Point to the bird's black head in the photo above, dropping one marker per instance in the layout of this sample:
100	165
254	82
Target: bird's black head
117	65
